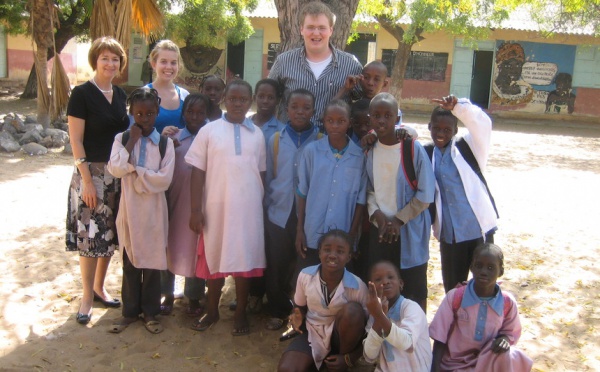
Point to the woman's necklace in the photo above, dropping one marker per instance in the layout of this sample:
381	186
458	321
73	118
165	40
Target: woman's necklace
103	91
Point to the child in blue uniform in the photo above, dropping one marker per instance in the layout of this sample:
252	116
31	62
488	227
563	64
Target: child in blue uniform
398	209
283	154
332	185
465	212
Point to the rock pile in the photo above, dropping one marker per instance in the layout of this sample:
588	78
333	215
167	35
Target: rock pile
23	133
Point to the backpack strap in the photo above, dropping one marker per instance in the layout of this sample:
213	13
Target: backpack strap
162	146
125	137
275	152
457	300
408	154
162	143
466	152
429	150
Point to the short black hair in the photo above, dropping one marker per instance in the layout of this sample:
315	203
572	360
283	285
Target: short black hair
191	99
439	112
302	92
237	82
493	249
338	234
211	77
396	268
143	94
385	97
272	82
362	105
337	103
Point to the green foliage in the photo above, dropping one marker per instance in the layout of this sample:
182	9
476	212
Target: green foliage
211	22
14	15
469	19
562	15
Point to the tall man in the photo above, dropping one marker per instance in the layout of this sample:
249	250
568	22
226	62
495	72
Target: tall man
316	66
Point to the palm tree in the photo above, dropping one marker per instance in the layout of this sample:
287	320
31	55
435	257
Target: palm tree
114	18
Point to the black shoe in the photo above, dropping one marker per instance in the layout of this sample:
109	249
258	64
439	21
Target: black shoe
108	303
84	318
288	335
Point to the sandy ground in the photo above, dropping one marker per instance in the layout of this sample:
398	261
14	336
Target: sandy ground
544	178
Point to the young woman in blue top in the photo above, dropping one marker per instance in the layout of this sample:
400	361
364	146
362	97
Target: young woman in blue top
332	185
166	62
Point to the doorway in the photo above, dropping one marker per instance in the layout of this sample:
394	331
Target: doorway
481	78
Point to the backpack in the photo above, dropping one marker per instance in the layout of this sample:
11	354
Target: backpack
276	150
466	152
457	300
162	144
408	168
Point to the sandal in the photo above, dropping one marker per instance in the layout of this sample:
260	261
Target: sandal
273	324
194	311
120	325
202	324
154	326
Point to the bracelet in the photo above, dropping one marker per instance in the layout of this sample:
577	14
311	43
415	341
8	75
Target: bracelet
348	361
80	161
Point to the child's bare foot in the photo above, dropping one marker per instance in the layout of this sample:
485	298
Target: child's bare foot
241	326
119	325
194	308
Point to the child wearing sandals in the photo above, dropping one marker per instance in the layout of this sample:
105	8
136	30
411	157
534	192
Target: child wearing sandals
398	339
476	324
329	311
229	160
183	241
142	221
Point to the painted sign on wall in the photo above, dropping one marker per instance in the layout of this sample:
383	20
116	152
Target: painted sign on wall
534	77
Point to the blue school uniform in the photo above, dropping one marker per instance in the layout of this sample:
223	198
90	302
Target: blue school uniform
332	187
270	128
171	117
282	183
414	235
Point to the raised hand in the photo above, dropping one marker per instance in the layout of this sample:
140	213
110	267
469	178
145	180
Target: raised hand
447	103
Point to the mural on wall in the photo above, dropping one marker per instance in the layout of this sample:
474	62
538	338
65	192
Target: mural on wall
534	77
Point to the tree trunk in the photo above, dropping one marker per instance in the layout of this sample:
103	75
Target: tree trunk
399	69
402	54
42	32
288	13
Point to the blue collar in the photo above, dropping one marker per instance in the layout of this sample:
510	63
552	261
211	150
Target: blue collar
154	137
246	123
272	122
394	311
470	298
185	133
349	280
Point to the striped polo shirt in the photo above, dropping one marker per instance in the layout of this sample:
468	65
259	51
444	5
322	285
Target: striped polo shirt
292	69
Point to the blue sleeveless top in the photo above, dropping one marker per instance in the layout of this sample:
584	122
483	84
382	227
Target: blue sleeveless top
171	117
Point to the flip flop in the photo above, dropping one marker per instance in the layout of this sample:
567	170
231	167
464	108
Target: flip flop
274	324
242	331
202	324
154	326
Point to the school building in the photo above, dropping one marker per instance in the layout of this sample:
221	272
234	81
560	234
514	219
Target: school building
556	75
516	72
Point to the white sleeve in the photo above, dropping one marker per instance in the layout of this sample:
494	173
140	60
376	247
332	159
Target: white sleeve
479	125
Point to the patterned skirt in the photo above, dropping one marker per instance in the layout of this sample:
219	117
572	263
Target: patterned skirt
93	232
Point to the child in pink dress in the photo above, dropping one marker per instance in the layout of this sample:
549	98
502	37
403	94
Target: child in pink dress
183	241
477	325
144	161
229	160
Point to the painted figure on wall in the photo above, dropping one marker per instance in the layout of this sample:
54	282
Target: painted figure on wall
508	87
561	99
